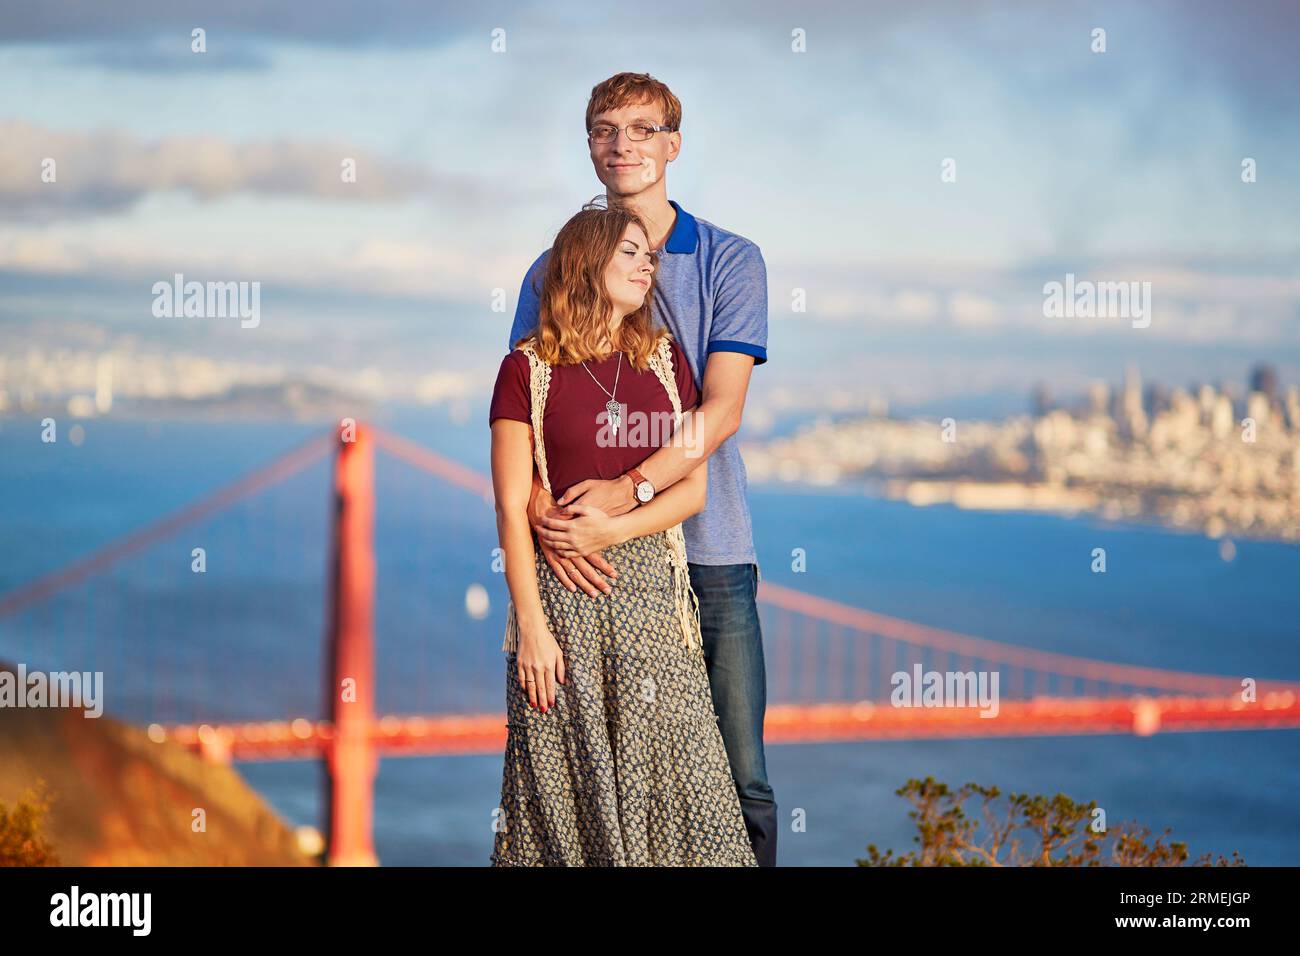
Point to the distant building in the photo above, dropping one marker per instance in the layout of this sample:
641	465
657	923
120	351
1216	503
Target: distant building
1157	399
1041	400
1099	398
1131	416
1263	378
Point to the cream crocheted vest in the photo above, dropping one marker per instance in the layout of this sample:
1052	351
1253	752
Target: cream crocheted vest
661	361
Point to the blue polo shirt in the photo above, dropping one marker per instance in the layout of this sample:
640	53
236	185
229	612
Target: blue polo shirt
712	295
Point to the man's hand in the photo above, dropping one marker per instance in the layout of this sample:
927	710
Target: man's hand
577	572
591	532
613	496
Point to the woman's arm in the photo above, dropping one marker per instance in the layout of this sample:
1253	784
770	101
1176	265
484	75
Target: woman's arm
538	655
512	483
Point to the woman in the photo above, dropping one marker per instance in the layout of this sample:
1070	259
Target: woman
613	754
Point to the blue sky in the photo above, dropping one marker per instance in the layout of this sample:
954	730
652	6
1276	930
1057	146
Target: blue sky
1123	165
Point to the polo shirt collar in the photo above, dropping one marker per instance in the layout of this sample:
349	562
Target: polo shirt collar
685	234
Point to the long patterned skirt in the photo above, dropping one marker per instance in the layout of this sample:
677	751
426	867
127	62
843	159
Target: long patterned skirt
629	767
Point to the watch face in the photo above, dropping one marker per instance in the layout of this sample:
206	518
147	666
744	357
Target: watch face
644	491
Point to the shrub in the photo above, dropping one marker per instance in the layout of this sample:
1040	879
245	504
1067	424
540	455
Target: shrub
1034	831
21	842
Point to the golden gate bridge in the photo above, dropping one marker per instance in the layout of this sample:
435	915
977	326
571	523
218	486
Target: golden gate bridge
220	668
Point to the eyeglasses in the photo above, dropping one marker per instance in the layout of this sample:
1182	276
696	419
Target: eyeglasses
637	132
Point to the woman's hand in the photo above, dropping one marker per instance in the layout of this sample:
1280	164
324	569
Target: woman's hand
591	530
581	572
540	664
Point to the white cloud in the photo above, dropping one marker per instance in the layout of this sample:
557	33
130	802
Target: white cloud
972	311
111	171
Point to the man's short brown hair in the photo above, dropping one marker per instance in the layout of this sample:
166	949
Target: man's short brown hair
633	89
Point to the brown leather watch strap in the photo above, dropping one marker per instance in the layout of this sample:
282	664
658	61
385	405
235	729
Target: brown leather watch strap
637	478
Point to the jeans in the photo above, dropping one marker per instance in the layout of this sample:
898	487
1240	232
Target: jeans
733	656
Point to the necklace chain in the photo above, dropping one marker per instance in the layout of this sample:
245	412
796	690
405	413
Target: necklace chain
612	408
616	374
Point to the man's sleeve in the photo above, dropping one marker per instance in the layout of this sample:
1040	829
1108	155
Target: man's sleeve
526	309
740	303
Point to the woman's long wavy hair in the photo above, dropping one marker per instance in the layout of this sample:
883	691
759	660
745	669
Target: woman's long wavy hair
575	307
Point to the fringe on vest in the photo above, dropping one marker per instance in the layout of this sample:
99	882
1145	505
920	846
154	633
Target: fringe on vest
684	598
511	642
688	605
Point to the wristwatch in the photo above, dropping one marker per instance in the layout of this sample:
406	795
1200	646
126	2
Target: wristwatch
642	490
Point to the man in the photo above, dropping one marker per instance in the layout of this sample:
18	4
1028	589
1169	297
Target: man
712	295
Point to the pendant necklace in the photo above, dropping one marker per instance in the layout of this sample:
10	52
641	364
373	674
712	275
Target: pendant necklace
611	406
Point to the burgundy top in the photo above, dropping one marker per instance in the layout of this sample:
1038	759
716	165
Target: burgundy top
569	425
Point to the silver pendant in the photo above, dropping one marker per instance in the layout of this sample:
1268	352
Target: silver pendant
612	409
